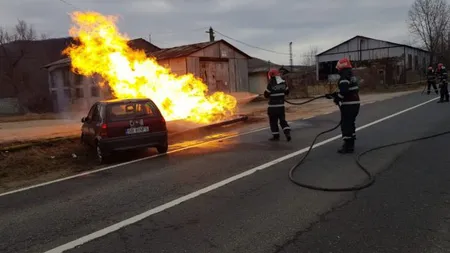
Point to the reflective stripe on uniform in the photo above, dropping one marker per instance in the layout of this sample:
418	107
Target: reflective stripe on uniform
344	81
339	95
353	88
277	94
286	128
347	138
351	103
280	105
275	132
267	90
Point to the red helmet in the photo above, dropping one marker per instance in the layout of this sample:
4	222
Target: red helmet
344	63
430	68
440	65
273	72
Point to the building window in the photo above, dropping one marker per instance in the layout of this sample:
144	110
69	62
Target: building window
79	92
67	93
416	62
65	75
78	79
54	95
409	61
53	79
95	91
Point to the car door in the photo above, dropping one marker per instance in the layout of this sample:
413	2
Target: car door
89	125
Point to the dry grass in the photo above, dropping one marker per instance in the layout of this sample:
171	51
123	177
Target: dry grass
38	161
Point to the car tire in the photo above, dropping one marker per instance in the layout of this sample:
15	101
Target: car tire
82	139
102	157
162	149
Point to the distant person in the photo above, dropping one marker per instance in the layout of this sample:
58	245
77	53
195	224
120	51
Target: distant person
431	79
348	98
276	90
443	86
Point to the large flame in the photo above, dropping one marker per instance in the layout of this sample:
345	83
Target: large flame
131	74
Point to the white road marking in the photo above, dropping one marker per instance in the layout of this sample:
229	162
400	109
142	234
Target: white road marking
139	217
126	163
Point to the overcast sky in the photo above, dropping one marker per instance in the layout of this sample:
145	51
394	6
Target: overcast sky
268	24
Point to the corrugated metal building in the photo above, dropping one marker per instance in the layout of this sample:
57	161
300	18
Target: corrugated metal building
219	64
361	49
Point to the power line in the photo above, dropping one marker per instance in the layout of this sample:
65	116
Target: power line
70	4
252	46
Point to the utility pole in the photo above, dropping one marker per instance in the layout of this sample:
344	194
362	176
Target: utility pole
211	34
291	61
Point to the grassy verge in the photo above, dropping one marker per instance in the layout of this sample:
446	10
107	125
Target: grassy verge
64	157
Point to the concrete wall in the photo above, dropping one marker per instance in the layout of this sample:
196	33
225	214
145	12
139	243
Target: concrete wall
257	82
74	93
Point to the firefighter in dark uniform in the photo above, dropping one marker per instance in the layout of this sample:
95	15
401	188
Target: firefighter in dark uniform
276	90
431	79
443	86
348	98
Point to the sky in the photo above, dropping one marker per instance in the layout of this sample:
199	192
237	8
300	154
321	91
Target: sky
260	24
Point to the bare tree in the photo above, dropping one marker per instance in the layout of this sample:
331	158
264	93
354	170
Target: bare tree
9	58
309	57
429	21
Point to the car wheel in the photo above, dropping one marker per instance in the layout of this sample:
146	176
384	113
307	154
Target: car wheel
101	156
162	149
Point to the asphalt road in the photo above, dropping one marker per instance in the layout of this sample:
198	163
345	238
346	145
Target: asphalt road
407	210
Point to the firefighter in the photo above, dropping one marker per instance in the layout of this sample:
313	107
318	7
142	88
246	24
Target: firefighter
431	79
347	97
276	90
443	86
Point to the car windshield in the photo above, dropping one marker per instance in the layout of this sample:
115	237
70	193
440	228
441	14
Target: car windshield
129	110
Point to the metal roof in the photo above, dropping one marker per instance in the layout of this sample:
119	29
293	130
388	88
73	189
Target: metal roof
186	50
368	38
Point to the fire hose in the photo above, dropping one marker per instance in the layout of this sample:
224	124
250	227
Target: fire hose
370	177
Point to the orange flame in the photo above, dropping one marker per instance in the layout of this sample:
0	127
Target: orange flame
131	74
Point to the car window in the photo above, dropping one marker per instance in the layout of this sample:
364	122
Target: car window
91	111
129	110
96	115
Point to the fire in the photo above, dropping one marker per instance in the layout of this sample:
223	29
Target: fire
130	73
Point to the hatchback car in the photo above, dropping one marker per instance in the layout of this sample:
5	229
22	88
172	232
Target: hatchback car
124	124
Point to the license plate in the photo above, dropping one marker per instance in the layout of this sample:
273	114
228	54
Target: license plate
137	130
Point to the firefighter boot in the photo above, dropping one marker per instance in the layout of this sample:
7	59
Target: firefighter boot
348	146
287	133
275	137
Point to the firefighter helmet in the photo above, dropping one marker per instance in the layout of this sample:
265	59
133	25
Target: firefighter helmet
273	72
344	63
440	65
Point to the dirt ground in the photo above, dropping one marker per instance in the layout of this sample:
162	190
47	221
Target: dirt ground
67	156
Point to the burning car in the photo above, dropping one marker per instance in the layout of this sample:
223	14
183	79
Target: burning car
124	124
